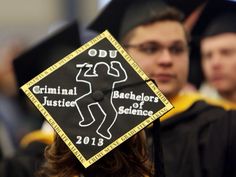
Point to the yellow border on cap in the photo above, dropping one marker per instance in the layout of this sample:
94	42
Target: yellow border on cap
57	128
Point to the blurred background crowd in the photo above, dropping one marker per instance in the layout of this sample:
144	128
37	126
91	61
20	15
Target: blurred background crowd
23	25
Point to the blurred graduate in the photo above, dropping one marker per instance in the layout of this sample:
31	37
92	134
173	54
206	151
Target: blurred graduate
216	29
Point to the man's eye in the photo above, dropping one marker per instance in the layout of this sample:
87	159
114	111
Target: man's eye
206	56
148	49
177	49
228	52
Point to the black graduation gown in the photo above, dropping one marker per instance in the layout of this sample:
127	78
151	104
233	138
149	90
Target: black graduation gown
200	142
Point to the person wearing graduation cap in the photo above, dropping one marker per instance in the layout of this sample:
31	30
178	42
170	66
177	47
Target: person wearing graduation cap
129	159
198	139
218	51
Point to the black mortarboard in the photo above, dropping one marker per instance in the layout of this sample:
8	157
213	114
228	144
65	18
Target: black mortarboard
42	55
223	23
218	16
120	16
96	98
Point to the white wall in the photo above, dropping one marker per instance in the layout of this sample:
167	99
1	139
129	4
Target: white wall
31	19
28	18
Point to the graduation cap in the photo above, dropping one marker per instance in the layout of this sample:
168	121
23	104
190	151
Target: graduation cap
96	98
120	16
217	17
45	53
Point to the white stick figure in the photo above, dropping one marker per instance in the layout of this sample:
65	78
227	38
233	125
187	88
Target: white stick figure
101	77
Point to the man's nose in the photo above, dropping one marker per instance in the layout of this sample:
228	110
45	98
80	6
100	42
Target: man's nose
165	58
216	60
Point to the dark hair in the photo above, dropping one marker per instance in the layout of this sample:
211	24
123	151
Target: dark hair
130	159
169	14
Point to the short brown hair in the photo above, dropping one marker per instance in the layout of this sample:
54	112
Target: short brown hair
169	14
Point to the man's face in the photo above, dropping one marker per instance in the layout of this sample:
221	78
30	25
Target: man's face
161	50
219	61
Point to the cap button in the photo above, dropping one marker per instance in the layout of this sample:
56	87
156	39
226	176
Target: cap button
98	95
